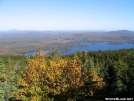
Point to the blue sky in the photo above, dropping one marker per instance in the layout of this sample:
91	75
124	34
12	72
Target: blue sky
67	14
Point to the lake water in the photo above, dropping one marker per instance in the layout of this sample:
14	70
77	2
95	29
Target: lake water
88	46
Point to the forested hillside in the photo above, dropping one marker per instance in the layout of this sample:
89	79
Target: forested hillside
86	76
18	42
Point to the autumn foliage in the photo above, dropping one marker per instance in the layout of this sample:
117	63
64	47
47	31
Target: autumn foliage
45	80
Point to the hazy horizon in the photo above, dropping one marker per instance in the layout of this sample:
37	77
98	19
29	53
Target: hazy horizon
16	30
102	15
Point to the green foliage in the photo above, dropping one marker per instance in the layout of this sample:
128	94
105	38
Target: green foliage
68	77
88	65
8	78
111	79
2	79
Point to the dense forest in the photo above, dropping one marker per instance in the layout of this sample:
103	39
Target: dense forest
84	76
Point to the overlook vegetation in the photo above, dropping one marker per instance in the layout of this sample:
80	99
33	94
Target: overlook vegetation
86	76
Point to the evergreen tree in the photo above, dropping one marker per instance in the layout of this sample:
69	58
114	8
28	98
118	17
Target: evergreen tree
110	77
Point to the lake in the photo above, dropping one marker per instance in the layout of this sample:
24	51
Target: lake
88	46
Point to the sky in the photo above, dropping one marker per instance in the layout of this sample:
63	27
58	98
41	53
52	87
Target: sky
67	14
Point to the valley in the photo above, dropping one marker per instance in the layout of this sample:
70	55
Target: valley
18	42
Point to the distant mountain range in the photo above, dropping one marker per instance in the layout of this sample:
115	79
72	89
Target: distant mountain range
16	41
15	31
121	31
